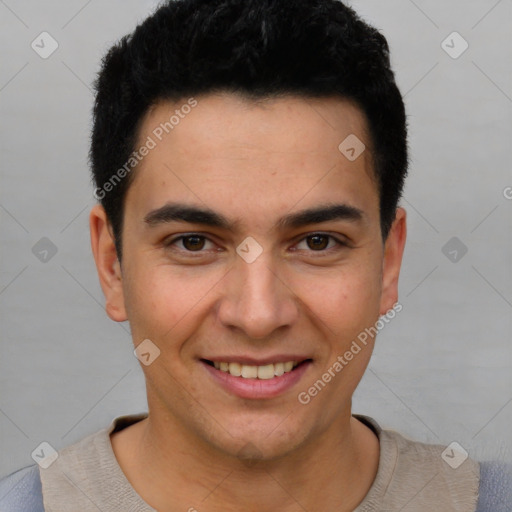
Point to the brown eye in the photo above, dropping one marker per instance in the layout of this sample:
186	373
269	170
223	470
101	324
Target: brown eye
318	242
193	243
322	243
187	244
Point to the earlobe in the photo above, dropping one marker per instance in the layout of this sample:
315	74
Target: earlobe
107	263
393	252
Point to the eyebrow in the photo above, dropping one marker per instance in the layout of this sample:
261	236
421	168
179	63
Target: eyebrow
178	212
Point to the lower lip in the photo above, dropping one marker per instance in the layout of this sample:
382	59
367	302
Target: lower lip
257	388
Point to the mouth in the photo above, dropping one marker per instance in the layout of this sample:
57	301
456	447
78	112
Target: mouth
251	381
262	372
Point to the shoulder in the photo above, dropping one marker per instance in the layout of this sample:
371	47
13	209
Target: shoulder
454	469
426	476
495	491
458	476
21	491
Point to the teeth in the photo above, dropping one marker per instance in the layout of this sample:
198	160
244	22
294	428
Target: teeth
249	372
234	369
264	372
278	369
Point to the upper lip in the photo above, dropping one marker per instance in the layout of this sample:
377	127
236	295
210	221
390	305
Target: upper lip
253	361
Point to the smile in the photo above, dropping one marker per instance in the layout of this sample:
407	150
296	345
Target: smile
257	381
264	372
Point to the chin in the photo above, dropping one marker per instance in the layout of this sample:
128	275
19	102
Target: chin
261	441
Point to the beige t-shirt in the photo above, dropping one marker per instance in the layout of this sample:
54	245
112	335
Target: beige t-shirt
411	477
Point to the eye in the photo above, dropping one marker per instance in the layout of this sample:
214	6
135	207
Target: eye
197	243
319	242
192	242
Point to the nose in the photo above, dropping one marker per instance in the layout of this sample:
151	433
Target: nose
257	298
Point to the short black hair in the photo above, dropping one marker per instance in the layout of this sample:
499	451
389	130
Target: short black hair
257	48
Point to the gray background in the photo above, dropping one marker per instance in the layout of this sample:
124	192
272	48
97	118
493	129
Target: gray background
442	370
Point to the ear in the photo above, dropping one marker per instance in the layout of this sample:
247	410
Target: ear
393	252
107	263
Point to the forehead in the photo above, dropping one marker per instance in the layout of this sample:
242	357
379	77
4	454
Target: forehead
228	150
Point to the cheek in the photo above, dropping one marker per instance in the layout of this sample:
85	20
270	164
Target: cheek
346	299
165	302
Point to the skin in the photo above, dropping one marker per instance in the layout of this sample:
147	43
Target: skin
253	162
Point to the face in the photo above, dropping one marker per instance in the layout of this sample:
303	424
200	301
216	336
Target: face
251	244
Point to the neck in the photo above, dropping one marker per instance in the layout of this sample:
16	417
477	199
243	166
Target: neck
173	470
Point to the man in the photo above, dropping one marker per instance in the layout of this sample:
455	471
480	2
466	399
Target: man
249	156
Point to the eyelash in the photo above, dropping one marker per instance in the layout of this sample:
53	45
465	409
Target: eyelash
339	243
